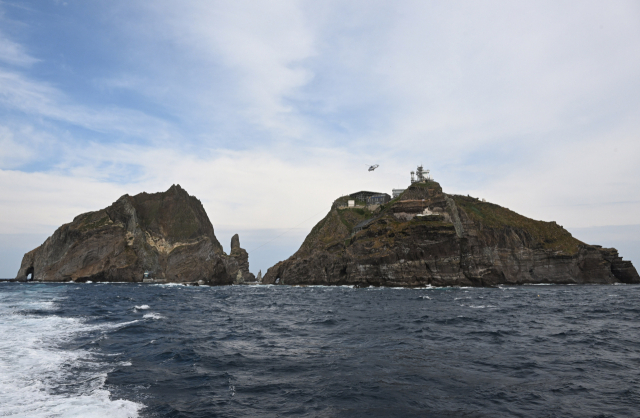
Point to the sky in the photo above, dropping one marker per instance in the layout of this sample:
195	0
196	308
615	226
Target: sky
267	111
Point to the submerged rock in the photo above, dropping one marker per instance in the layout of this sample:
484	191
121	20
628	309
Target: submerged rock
159	237
426	237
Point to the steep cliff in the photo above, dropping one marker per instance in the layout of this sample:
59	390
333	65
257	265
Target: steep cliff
426	237
167	235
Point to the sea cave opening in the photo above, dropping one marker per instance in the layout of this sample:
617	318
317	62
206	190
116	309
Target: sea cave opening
29	273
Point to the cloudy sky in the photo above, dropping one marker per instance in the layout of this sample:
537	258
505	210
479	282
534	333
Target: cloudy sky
269	110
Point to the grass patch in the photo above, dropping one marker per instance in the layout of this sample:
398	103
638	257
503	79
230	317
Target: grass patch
548	235
94	221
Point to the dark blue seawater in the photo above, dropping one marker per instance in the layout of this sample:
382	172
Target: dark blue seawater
122	350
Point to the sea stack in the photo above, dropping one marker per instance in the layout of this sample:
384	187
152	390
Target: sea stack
426	237
159	237
240	272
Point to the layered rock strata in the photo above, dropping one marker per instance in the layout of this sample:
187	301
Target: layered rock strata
160	237
426	237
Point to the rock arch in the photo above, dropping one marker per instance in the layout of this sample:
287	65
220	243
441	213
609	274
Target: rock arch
29	274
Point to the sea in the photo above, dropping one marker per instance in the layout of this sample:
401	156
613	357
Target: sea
155	350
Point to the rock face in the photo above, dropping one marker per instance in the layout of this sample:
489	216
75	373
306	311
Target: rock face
426	237
168	235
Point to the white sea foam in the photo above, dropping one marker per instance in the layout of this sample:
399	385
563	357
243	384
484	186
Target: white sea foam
153	315
40	379
142	307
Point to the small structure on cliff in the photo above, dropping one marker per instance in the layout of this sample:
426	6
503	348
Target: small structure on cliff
421	175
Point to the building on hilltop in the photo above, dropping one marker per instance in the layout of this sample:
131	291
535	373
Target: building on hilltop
363	195
396	192
371	198
379	199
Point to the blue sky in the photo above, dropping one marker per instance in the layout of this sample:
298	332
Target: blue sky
267	111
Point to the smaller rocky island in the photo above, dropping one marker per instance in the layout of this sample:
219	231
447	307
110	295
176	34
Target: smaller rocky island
155	238
425	237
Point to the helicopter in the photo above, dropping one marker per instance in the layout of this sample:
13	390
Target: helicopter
373	167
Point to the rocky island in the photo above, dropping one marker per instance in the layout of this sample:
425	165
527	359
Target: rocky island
159	237
421	237
427	237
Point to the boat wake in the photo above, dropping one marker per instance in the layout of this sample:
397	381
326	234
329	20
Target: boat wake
39	376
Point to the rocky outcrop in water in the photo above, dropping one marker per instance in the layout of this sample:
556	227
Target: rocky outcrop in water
166	235
426	237
240	273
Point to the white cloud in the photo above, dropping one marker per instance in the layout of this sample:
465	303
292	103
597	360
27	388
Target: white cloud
262	46
473	73
14	152
40	202
40	100
594	181
13	53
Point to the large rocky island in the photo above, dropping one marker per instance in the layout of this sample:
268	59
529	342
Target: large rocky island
159	237
427	237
